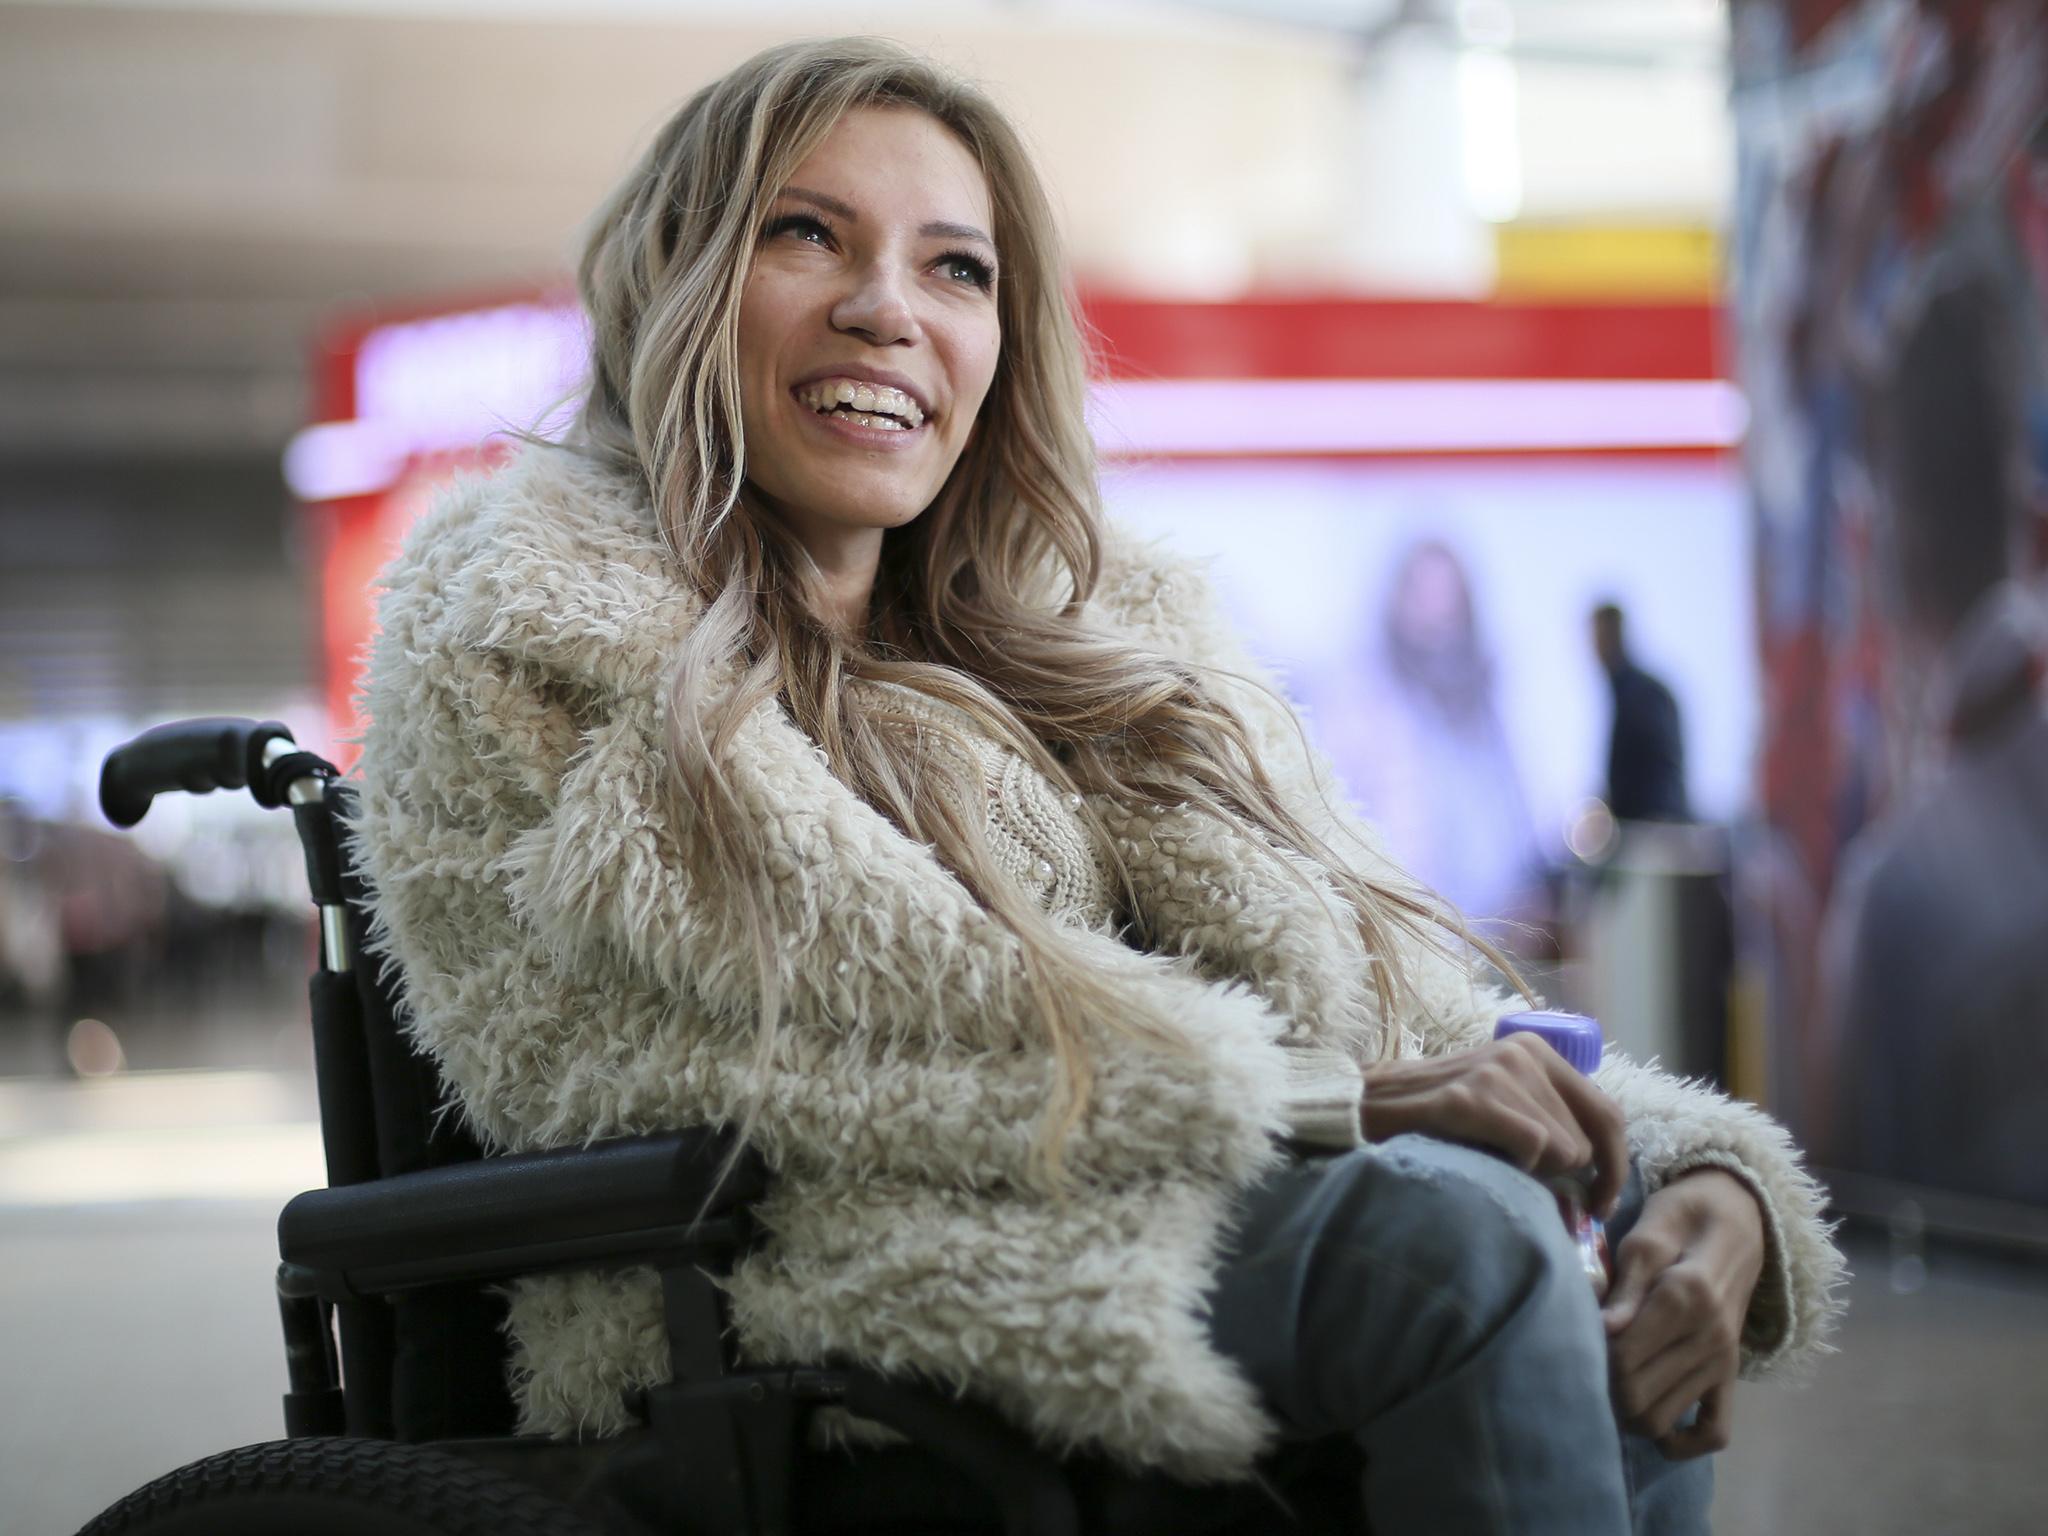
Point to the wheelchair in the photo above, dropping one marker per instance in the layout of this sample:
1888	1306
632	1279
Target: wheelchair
398	1419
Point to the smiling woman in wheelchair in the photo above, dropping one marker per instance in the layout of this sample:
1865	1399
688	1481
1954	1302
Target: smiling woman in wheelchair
795	748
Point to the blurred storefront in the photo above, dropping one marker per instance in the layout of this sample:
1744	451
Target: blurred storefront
1892	298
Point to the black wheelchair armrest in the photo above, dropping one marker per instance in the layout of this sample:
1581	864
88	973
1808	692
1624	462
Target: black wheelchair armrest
644	1199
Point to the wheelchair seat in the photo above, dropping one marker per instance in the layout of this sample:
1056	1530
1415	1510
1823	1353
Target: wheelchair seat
390	1292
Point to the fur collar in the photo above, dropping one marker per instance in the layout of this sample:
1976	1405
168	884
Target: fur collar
563	576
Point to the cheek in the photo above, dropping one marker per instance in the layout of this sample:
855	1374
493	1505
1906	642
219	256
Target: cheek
975	366
765	319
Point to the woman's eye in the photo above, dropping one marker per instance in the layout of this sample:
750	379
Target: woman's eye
969	269
803	226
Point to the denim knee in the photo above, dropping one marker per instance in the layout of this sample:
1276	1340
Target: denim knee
1357	1282
1470	1229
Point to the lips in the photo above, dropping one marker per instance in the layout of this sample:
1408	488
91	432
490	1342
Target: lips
862	429
865	389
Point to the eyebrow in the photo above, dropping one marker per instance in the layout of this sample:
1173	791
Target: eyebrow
938	229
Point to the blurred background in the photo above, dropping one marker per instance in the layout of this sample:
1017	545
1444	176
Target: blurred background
1439	324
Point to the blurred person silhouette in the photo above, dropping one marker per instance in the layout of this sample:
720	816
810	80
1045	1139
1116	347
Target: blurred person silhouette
1417	731
31	946
1937	975
109	899
1646	748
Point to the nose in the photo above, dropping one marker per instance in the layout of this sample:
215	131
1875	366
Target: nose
877	307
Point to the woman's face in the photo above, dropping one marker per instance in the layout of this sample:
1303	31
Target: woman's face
1432	603
868	331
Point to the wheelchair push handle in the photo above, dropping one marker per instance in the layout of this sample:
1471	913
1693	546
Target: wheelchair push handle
199	756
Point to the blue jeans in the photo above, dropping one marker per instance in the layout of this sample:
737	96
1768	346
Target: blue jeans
1424	1300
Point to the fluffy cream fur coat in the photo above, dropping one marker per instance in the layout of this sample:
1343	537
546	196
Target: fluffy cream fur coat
576	983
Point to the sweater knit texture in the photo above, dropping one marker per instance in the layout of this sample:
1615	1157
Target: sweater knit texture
1035	834
1040	842
575	979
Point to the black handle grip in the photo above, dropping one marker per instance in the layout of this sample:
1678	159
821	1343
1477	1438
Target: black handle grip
217	752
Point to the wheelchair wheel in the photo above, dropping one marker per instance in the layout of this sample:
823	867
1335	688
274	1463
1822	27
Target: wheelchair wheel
334	1487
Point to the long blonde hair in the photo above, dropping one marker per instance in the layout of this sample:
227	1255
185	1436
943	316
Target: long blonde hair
978	603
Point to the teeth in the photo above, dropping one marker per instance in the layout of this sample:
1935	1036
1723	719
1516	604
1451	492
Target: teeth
893	405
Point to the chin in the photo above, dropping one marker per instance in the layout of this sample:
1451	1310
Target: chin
869	511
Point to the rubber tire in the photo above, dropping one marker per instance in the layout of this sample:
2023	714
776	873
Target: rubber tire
335	1487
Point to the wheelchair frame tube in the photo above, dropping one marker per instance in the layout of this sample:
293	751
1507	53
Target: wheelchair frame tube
342	1074
314	1405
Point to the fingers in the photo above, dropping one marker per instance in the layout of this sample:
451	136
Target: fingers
1516	1130
1651	1396
1682	1304
1491	1097
1530	1077
1517	1096
1635	1271
1593	1132
1644	1259
1710	1432
1670	1341
1660	1419
1651	1305
1638	1388
1605	1127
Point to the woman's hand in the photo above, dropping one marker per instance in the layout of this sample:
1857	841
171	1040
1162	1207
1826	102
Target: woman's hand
1682	1283
1517	1097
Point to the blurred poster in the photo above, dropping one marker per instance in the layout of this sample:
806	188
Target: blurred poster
1892	304
1431	618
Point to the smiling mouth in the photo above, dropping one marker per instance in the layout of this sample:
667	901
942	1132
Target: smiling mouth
873	406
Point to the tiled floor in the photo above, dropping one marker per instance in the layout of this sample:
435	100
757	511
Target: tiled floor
138	1330
1932	1419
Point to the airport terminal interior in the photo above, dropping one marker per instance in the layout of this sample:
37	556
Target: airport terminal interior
1621	426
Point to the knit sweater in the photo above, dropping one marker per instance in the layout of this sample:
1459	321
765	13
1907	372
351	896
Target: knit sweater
575	979
1041	843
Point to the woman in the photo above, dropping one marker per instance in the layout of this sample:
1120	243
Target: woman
797	749
1416	725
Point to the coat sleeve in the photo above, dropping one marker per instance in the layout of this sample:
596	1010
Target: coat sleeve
1453	1001
575	981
